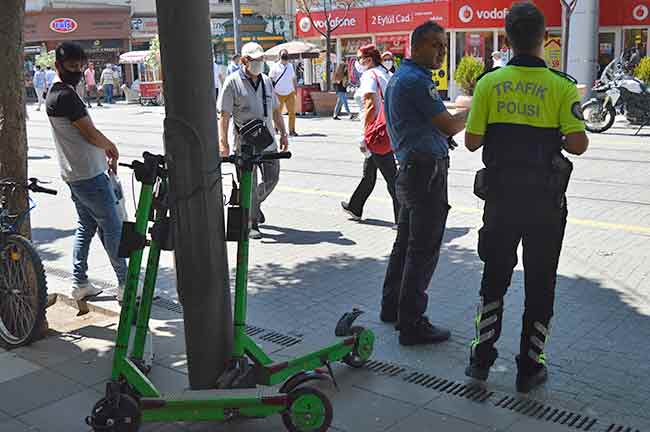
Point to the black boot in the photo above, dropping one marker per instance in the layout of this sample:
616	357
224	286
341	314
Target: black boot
530	376
422	332
479	367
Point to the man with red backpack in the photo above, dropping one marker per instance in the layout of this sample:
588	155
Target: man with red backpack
375	144
420	128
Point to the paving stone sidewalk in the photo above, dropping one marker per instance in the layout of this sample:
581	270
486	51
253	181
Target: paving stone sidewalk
313	265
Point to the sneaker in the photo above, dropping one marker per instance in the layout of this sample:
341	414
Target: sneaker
293	133
336	118
477	370
422	333
346	208
528	380
81	291
255	234
260	217
388	315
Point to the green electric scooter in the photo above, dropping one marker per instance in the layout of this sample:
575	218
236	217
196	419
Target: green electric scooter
131	398
250	365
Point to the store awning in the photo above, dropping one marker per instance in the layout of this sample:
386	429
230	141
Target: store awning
134	57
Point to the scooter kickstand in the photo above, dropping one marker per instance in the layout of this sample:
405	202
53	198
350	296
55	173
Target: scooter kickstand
331	372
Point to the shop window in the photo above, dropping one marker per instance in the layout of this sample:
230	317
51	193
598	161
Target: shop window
475	44
638	38
606	50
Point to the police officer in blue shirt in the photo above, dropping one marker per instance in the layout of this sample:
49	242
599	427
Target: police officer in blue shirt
420	127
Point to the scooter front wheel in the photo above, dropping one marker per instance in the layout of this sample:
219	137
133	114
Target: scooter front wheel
309	410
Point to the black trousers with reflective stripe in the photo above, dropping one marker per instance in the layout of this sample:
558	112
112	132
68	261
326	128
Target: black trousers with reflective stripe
539	224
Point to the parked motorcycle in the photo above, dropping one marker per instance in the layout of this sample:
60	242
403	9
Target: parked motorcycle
617	92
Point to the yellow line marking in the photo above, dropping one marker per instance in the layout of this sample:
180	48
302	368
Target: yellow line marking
635	229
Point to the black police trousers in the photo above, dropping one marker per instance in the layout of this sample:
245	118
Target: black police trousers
539	224
421	189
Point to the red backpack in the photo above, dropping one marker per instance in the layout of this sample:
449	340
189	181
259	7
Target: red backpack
376	134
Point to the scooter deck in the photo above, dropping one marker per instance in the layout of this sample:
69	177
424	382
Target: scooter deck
214	405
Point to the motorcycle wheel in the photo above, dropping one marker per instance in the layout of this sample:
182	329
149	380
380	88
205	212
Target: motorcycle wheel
598	118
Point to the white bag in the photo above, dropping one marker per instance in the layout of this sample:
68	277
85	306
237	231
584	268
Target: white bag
116	184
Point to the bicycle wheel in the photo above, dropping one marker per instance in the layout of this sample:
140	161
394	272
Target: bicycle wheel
23	292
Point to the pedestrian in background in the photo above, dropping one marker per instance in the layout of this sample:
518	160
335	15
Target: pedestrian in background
388	61
497	59
107	81
341	88
419	126
218	78
246	95
85	158
371	91
285	84
524	185
40	86
50	74
234	65
91	85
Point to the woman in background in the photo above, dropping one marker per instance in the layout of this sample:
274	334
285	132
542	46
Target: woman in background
340	86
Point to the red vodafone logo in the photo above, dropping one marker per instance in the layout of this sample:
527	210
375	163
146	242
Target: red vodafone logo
305	24
466	14
641	12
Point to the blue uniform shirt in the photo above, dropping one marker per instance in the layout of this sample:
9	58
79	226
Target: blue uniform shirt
411	102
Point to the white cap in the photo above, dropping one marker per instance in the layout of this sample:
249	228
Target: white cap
496	53
252	50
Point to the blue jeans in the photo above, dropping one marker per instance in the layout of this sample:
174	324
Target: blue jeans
341	102
97	210
108	93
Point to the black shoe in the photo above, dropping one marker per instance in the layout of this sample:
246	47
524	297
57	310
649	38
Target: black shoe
336	118
529	379
477	370
346	208
388	315
260	217
293	133
422	333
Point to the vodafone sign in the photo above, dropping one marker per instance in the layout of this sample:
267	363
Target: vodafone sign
637	12
492	13
401	18
354	22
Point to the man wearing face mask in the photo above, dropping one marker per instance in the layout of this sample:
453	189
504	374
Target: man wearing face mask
247	94
85	155
285	84
388	62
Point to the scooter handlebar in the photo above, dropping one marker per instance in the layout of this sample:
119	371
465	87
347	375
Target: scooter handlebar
264	157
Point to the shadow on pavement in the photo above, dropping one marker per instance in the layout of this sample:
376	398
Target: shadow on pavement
42	237
300	237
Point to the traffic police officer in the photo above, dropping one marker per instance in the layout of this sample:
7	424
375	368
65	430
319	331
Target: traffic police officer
419	126
523	115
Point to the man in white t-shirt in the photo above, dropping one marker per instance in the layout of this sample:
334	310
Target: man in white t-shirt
285	84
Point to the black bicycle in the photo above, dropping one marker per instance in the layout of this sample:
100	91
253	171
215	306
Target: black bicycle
23	289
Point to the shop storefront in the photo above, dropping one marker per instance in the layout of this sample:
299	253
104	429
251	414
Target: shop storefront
104	33
476	28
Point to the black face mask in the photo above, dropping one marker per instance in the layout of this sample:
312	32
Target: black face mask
71	78
284	57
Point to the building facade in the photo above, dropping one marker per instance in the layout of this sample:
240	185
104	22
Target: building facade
474	27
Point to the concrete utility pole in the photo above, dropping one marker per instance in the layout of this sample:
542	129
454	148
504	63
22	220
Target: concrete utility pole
581	58
236	21
195	183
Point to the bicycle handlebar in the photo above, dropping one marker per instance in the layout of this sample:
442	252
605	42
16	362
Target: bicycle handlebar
263	157
32	185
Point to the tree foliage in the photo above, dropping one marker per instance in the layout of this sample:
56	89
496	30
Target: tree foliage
467	72
46	59
153	59
642	71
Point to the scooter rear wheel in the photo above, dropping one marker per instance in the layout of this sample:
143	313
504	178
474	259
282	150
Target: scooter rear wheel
309	410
